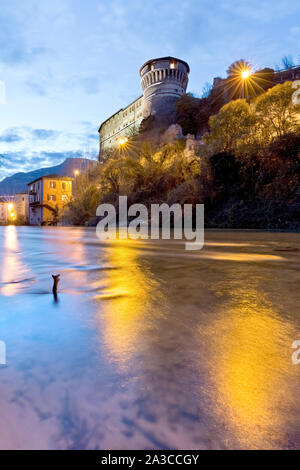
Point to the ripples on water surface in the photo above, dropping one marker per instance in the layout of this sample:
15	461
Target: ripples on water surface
149	346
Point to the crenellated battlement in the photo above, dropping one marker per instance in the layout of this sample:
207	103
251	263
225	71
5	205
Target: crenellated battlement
164	71
163	81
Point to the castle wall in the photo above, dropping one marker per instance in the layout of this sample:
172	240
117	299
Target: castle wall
163	82
121	124
288	75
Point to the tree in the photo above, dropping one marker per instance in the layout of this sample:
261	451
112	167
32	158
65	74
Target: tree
262	80
225	171
287	148
206	90
231	129
187	111
83	206
276	112
237	67
287	62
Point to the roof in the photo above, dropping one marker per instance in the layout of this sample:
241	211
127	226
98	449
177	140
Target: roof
165	58
53	177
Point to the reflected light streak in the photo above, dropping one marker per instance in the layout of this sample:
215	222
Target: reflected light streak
10	266
252	376
125	301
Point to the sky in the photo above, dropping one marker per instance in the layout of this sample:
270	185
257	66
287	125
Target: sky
67	65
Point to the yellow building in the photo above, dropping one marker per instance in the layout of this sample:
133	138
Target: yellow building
48	195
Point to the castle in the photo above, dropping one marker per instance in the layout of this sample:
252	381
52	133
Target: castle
163	81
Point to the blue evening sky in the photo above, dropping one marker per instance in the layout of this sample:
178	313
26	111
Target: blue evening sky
68	64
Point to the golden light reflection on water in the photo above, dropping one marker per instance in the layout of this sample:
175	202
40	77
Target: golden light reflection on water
126	300
253	376
10	266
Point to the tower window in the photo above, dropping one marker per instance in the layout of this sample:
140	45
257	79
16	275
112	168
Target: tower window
173	64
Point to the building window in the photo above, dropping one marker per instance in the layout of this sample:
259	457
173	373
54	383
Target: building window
64	197
51	197
52	184
63	185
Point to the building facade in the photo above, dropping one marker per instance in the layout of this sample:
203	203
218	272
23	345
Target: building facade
163	81
21	204
287	75
7	212
48	195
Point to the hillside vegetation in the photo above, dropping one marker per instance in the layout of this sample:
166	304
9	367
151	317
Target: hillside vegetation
245	167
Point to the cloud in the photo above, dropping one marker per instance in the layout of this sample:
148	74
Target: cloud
23	149
94	136
20	162
14	48
36	87
90	85
262	11
10	136
59	156
44	134
295	30
14	135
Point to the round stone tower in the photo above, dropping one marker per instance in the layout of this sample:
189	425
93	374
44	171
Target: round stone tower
163	81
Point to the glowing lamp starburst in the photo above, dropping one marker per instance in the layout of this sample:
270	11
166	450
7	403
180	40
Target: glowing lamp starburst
245	74
123	141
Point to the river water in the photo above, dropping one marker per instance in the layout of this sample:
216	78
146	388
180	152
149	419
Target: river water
149	346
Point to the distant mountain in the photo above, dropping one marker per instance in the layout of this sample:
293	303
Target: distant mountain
18	182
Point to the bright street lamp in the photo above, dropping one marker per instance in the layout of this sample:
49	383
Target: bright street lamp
123	141
245	74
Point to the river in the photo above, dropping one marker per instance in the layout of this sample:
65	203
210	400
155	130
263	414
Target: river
149	346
